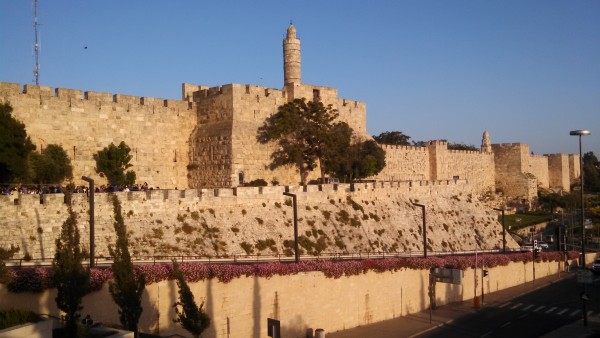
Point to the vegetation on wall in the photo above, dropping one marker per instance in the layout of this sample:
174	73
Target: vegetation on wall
113	162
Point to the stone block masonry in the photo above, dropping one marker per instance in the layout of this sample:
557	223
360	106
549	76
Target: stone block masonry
366	217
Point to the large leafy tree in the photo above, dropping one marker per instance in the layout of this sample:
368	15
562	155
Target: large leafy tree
591	172
127	287
113	161
70	277
15	147
359	160
393	138
300	128
51	166
192	317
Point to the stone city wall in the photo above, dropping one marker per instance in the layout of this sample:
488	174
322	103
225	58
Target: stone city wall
404	163
538	166
574	167
339	218
558	169
156	130
241	307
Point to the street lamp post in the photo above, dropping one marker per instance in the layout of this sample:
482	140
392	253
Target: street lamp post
295	205
424	228
503	231
91	189
581	133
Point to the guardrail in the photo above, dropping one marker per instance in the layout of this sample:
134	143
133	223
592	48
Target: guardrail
247	259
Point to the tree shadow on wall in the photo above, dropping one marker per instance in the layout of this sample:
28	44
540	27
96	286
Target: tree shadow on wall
256	304
150	318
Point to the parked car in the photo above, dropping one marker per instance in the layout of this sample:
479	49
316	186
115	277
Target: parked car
543	245
596	266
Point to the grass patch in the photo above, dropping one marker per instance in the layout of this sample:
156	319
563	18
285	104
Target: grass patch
518	221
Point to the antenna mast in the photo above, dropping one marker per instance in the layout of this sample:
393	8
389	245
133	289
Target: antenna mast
36	71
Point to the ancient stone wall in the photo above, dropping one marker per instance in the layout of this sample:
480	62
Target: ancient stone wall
404	163
156	130
511	179
360	217
559	171
574	168
538	166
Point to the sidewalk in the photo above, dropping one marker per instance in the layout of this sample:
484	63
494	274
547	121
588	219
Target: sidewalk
418	323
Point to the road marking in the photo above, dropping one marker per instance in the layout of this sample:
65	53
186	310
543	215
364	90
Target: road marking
539	308
551	309
516	306
486	334
523	315
596	279
574	313
563	311
505	324
503	305
590	313
527	307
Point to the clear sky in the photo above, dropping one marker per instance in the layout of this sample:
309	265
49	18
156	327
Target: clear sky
527	71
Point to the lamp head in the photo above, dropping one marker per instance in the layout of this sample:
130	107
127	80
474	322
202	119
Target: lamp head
579	132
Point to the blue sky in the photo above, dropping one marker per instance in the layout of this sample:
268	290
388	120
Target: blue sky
527	71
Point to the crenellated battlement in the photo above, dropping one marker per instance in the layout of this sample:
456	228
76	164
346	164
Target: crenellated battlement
69	95
392	147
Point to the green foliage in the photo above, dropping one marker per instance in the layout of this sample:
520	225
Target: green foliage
127	287
257	183
112	161
393	138
247	247
4	255
192	317
72	280
360	160
591	172
14	317
300	128
51	166
267	243
15	147
462	146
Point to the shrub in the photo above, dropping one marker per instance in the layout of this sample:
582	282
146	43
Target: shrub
247	248
14	317
257	183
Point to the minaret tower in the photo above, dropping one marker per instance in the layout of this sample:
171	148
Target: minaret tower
291	57
486	144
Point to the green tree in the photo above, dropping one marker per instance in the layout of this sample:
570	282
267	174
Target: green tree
127	287
113	161
15	147
359	160
4	255
300	128
591	172
462	146
192	317
393	138
51	166
70	277
334	158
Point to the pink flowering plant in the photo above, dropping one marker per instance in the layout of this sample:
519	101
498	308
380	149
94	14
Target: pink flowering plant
39	279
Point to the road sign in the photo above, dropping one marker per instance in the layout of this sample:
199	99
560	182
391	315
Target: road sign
584	276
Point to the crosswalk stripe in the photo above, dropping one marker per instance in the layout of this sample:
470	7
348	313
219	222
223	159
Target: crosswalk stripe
503	305
527	307
516	306
539	308
575	312
551	309
563	311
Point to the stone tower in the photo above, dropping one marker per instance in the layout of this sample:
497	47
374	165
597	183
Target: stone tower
486	144
291	57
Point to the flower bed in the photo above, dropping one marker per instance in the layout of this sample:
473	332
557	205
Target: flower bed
38	279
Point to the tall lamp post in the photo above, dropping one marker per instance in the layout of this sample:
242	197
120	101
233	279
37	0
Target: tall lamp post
581	133
503	231
91	189
424	228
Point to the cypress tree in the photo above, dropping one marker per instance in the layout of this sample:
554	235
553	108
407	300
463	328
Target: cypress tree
70	277
192	317
127	287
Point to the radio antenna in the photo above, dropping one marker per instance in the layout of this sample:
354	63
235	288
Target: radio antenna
36	70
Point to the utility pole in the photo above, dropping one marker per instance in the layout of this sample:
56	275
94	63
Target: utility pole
36	71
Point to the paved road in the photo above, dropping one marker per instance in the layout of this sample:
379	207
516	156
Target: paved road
528	310
531	315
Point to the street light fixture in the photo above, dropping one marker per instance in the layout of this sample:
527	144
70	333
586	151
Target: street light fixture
503	231
424	228
91	190
581	133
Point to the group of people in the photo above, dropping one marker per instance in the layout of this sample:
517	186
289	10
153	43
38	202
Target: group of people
24	189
